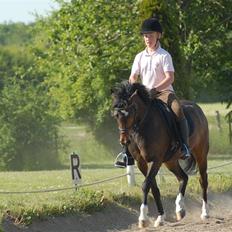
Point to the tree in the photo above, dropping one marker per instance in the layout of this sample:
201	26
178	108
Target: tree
90	46
168	13
206	43
29	134
29	138
198	35
18	34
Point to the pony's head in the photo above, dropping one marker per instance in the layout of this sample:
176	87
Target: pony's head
127	99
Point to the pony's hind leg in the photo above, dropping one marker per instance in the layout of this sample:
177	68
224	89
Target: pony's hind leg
182	177
204	185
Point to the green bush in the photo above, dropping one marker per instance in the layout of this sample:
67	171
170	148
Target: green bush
29	133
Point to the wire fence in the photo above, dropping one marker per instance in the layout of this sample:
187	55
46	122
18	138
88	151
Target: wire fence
98	182
219	166
66	188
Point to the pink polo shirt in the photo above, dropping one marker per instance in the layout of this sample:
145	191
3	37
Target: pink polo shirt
151	67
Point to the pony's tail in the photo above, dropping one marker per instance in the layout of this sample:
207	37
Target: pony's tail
189	165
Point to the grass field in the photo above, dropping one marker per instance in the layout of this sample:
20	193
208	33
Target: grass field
219	135
97	164
211	108
27	206
82	141
24	207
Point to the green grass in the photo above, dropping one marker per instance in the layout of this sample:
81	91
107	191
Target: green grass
218	135
92	153
97	164
81	140
211	108
27	207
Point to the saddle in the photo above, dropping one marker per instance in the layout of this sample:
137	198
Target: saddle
173	127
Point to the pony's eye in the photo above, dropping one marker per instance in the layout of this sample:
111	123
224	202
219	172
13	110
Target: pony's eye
120	105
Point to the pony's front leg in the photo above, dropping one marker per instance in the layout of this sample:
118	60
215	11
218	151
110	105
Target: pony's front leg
150	183
143	217
156	194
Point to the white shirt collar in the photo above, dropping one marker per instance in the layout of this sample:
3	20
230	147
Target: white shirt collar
154	52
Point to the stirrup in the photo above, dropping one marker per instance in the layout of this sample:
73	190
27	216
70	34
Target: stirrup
121	160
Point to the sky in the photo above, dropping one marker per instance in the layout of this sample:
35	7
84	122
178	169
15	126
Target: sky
22	10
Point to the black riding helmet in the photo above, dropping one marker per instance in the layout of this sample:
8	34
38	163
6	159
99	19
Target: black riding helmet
151	25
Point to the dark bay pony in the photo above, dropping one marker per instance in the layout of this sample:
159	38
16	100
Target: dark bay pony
144	129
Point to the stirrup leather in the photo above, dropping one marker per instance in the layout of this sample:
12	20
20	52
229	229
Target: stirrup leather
185	151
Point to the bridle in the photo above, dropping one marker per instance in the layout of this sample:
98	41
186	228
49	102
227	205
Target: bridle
135	125
125	113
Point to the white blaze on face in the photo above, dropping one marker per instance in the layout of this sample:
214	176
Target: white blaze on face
124	112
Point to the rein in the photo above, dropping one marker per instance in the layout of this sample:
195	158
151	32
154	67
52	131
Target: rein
137	125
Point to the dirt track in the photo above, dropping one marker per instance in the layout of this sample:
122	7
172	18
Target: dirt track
116	218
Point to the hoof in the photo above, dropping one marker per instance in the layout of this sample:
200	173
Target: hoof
180	215
143	223
204	217
159	221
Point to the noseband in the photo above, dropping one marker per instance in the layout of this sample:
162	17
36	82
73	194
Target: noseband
123	130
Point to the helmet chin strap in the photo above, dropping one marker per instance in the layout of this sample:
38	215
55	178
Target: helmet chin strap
158	38
156	43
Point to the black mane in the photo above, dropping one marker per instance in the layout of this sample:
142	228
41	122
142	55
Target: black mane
124	90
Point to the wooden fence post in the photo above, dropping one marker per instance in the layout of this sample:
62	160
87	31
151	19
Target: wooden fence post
229	115
218	118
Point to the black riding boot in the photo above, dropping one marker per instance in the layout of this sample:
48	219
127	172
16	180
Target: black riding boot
184	130
124	158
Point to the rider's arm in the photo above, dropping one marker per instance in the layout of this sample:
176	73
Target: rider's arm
168	70
133	78
135	70
167	81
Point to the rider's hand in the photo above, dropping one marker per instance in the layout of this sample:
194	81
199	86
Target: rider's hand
153	93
